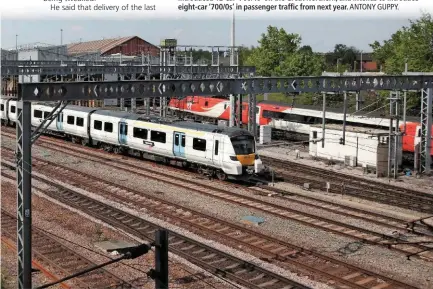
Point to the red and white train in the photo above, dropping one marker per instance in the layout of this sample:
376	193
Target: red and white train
290	120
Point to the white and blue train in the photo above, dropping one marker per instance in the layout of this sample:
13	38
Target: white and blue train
212	150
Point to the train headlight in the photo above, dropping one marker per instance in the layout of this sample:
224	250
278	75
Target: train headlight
234	158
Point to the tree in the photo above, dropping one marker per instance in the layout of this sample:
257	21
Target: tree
343	54
201	54
413	44
306	48
302	63
244	54
274	47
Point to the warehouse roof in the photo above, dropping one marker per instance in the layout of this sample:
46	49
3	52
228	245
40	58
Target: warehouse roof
101	46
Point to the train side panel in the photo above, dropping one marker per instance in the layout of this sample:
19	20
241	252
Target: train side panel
213	108
41	112
408	139
198	147
150	137
104	129
4	104
75	123
12	111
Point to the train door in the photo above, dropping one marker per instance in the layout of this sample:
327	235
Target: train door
59	123
179	144
257	115
217	153
313	144
123	133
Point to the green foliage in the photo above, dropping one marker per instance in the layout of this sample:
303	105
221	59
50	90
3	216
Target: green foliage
303	62
275	47
244	54
344	55
413	44
280	54
201	54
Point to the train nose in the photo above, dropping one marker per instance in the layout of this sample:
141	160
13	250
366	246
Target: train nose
246	160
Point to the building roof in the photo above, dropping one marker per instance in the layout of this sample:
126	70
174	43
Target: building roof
101	46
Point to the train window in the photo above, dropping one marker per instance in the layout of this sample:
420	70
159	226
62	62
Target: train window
97	124
2	107
206	103
216	147
80	121
225	106
182	143
140	133
108	127
314	134
243	145
157	136
37	113
176	140
13	108
46	113
70	119
199	144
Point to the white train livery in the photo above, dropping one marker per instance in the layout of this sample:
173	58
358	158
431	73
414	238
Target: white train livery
212	150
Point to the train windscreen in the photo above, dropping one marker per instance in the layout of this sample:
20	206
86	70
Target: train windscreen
243	145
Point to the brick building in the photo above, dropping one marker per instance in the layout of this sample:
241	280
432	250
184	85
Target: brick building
131	46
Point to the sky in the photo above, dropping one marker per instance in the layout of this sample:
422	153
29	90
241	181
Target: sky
320	34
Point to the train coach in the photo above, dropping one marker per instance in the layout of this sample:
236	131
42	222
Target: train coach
292	122
8	111
226	153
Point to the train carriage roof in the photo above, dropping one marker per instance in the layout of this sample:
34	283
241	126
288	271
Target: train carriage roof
69	106
119	114
229	131
375	114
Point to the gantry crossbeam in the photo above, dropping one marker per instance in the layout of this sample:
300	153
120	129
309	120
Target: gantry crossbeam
121	69
181	88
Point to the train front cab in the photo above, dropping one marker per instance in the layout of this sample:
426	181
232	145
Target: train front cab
418	138
244	161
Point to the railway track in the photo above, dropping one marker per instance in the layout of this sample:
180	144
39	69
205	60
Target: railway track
271	249
51	253
356	213
379	219
219	263
341	228
353	185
